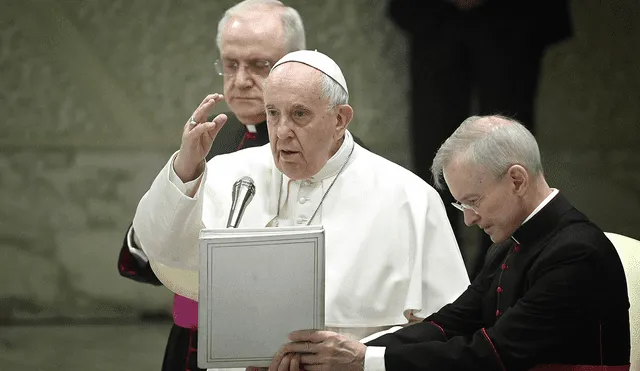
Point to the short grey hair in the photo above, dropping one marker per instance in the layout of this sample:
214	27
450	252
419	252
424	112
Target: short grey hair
333	92
492	142
291	22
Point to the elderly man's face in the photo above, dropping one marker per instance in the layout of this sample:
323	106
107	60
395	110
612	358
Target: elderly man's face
304	132
250	45
496	207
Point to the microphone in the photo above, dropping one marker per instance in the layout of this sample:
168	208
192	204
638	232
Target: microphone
242	194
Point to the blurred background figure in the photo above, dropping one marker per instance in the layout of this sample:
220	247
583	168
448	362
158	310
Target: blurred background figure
473	57
90	96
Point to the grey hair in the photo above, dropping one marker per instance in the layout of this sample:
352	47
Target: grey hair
333	91
492	142
291	22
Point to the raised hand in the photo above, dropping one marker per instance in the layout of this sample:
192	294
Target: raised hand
197	137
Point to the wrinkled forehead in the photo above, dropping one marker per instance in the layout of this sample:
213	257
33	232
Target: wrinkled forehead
464	177
253	35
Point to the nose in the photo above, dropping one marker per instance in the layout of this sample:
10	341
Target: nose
243	78
470	217
283	130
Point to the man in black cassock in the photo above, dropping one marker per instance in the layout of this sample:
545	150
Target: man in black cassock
552	295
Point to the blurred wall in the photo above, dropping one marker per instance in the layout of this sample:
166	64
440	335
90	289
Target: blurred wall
94	93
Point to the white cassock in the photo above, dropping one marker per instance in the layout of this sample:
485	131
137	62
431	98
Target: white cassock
389	248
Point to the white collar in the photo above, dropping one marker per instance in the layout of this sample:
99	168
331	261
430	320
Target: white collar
542	204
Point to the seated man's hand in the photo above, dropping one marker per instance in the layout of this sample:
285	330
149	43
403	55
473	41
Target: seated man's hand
318	351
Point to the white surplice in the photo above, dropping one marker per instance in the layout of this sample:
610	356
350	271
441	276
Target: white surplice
390	250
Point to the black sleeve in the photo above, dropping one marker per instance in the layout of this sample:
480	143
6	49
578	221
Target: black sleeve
539	323
463	316
132	268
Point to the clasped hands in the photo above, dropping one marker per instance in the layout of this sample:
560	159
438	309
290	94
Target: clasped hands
315	350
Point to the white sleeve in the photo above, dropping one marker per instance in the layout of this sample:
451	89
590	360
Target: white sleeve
168	222
445	276
438	273
374	359
187	188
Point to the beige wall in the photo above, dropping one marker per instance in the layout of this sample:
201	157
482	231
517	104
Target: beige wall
94	93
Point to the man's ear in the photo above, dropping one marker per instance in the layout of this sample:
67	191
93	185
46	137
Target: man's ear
344	114
519	177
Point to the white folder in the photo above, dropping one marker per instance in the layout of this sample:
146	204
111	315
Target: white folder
255	287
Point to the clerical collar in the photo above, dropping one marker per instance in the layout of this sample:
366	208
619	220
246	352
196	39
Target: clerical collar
336	161
543	220
259	132
542	204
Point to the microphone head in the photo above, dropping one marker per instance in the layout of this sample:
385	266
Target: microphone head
242	193
244	182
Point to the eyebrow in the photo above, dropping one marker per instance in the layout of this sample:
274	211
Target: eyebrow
235	59
295	106
300	106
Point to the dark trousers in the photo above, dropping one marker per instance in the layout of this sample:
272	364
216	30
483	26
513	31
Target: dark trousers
465	68
181	353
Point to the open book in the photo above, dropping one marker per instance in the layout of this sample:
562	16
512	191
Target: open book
255	287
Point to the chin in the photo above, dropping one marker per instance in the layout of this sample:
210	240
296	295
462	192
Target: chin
286	168
247	109
498	238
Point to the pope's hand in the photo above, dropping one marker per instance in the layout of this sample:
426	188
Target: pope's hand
319	351
197	137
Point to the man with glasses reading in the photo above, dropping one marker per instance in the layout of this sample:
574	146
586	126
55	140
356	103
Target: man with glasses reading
552	296
251	37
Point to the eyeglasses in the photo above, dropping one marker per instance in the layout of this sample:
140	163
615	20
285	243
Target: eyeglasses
255	67
473	206
462	206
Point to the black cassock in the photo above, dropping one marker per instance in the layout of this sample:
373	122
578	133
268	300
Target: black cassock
554	294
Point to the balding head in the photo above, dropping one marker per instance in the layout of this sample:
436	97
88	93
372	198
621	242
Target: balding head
292	34
490	142
492	167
